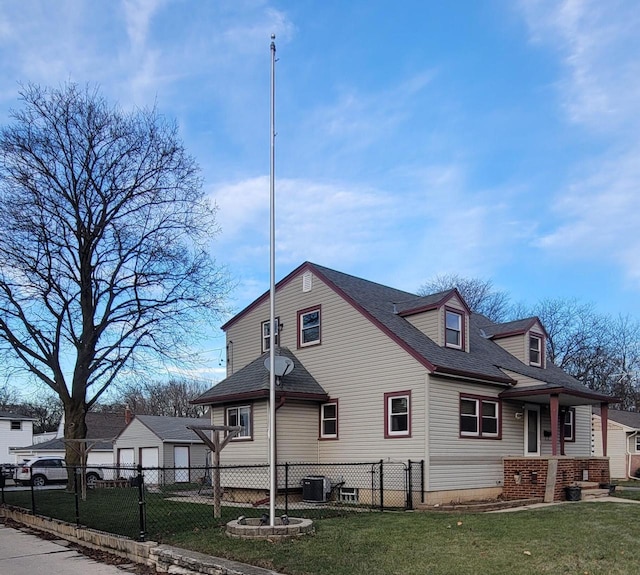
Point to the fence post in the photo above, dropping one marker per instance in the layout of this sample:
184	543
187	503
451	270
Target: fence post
381	485
409	505
33	495
141	504
286	488
75	496
422	481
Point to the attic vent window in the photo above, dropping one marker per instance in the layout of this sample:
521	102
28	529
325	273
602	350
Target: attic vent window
307	282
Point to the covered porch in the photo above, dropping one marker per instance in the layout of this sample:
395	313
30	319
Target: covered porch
547	467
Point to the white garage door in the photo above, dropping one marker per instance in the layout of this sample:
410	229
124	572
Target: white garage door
149	460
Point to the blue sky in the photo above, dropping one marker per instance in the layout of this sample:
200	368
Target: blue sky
497	139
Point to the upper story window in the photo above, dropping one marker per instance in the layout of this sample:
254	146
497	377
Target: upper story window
266	334
479	417
453	329
329	420
309	327
569	428
535	350
16	425
638	443
240	416
397	410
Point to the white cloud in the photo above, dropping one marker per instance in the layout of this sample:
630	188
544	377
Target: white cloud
598	43
599	48
349	226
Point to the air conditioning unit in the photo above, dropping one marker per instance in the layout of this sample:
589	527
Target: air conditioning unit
315	488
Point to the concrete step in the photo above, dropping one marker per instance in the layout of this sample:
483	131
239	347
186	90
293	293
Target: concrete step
594	494
588	484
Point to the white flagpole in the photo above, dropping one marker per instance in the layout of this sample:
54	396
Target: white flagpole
272	302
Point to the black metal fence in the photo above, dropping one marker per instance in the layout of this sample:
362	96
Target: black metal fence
156	503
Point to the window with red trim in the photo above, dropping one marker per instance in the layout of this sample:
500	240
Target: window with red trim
479	417
309	327
329	420
397	410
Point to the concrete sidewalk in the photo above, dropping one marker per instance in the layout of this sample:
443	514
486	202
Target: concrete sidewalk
609	499
22	553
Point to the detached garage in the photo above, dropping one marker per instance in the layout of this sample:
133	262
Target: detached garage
166	449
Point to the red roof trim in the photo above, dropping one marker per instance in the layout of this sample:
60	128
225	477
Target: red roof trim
556	390
439	370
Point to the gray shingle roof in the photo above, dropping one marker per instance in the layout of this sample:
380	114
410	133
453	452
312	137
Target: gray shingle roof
99	426
386	306
172	429
253	381
15	416
485	359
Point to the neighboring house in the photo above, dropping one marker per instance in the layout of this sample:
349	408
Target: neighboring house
157	441
385	374
623	445
15	431
102	429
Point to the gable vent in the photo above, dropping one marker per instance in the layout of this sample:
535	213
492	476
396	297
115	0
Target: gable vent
307	283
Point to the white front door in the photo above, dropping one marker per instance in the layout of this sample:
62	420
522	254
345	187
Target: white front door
532	431
150	462
181	463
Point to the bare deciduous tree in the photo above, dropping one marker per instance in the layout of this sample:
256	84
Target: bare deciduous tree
169	398
104	260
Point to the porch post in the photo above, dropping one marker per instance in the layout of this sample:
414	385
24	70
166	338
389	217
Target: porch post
604	418
561	420
554	403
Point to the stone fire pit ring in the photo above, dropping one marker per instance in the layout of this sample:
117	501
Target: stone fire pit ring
252	528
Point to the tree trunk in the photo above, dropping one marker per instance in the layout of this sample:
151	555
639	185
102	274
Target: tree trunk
75	427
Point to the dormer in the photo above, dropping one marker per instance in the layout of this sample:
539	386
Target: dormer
443	317
525	339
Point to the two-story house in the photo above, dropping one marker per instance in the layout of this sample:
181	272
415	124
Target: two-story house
381	373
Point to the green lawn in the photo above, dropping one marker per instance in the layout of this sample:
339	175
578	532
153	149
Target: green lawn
578	538
573	538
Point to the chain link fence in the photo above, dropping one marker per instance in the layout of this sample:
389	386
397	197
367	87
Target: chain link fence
154	503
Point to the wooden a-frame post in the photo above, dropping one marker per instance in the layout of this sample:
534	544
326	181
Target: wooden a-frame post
216	447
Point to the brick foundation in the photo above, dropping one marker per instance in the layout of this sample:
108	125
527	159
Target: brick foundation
526	477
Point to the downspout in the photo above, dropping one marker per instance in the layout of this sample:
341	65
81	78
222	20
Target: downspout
629	458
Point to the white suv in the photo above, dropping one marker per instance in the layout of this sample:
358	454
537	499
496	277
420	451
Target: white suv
42	470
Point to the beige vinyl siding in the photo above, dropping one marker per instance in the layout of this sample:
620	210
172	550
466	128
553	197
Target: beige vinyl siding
297	432
466	463
515	345
355	363
581	447
246	452
618	439
428	323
